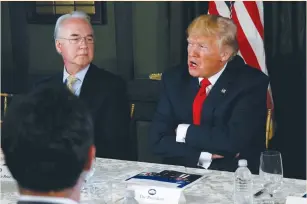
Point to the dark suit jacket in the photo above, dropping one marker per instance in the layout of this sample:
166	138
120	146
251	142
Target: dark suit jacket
105	95
233	120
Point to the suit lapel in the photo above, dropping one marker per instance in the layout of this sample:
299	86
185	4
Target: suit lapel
94	88
87	84
88	89
189	91
219	92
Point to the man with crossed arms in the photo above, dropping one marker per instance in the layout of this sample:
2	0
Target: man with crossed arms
212	112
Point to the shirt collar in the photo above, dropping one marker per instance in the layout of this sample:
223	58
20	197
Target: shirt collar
80	75
213	79
47	199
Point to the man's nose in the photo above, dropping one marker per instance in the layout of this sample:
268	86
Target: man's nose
83	42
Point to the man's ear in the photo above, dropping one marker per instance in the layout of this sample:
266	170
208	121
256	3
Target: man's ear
58	46
90	158
226	54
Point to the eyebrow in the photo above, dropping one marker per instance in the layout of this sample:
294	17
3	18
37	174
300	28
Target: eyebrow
74	35
77	35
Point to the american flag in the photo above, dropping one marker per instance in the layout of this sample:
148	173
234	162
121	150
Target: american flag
248	16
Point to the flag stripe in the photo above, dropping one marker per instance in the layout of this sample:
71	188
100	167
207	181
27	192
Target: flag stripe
223	9
252	37
253	12
260	9
218	8
212	8
245	48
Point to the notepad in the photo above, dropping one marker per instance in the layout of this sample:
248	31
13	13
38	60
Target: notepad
166	178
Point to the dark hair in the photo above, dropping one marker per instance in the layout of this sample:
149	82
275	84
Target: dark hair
46	136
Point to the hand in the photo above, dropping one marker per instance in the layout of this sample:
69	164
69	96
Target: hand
216	156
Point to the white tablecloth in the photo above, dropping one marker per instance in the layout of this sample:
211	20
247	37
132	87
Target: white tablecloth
215	188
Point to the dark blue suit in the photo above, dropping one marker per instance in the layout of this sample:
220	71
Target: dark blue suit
233	117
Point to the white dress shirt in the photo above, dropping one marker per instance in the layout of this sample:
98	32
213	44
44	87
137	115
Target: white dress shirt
205	158
80	76
47	199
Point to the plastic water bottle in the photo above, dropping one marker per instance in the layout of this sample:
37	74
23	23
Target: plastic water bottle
243	184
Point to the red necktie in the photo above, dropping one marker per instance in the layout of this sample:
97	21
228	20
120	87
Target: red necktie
199	100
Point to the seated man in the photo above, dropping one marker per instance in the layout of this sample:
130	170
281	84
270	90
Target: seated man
104	93
47	141
212	111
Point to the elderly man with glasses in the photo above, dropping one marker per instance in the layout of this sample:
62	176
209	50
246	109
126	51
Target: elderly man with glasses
103	92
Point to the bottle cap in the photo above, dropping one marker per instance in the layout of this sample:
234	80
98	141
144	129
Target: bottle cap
242	162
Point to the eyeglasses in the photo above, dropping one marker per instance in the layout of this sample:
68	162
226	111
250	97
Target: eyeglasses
87	39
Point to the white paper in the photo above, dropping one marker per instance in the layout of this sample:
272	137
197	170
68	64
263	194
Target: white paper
296	200
5	174
154	194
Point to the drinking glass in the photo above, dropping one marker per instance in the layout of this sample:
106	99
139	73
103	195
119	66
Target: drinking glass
271	171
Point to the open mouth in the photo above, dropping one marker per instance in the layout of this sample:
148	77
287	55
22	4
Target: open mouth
192	64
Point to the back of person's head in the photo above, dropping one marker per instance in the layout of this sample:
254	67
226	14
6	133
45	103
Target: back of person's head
47	139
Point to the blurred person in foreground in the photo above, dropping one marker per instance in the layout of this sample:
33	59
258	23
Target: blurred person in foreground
47	141
212	111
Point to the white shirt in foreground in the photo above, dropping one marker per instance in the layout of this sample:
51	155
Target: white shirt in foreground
47	199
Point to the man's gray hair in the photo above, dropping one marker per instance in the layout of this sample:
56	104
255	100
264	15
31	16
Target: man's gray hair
74	14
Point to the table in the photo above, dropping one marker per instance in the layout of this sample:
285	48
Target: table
215	188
